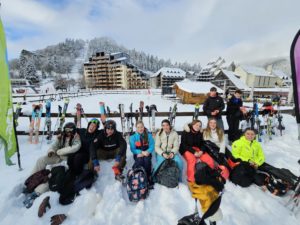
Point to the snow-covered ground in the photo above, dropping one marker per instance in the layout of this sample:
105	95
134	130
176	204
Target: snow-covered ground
106	202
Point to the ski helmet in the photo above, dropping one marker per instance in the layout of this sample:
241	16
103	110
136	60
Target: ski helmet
110	124
95	121
70	127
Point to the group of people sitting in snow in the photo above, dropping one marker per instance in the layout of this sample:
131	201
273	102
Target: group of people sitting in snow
208	162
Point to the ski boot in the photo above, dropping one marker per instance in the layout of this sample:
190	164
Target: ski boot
192	219
28	202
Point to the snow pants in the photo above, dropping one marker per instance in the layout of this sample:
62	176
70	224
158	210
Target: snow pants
145	162
191	161
41	164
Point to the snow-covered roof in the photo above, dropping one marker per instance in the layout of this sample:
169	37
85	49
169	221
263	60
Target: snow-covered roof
170	72
275	89
279	73
256	71
196	86
236	81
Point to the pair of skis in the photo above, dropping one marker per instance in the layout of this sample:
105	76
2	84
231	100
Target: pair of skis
78	115
172	115
35	122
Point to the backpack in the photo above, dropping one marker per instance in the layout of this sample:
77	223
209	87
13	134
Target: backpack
36	179
242	174
137	184
168	174
57	178
206	175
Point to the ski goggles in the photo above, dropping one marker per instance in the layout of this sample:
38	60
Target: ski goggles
68	130
96	121
110	127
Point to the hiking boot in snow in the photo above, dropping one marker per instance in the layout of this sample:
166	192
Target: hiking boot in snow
43	206
29	199
58	219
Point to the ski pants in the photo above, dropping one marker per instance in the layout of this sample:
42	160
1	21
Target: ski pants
41	164
233	128
77	161
191	161
160	159
145	162
105	155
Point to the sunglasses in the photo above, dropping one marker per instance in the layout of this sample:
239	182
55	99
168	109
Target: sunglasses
110	127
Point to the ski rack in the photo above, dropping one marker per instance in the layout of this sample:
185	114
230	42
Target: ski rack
134	114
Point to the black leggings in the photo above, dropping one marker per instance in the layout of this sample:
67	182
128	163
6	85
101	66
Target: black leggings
77	161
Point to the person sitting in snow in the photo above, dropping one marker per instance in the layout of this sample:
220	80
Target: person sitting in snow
190	146
77	160
248	156
142	147
167	146
66	143
109	144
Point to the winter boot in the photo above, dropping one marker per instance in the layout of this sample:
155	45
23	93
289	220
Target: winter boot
192	219
58	219
43	206
29	199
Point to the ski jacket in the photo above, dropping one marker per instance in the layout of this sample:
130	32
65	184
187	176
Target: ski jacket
62	150
110	143
86	139
166	142
213	137
137	143
190	139
249	151
213	103
233	107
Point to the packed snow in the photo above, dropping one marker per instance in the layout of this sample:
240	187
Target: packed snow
107	203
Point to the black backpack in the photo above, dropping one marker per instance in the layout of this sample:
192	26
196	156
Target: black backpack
242	174
57	178
168	174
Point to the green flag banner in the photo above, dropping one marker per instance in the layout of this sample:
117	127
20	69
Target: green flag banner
7	132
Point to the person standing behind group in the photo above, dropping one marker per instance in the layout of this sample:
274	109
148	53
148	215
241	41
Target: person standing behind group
190	146
234	112
213	107
142	146
167	145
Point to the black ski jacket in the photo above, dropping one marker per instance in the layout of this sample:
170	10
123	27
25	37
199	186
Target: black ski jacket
233	107
105	143
86	139
190	139
213	103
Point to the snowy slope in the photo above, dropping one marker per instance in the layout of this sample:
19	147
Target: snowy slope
106	202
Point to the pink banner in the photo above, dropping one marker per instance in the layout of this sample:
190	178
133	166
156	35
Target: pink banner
295	66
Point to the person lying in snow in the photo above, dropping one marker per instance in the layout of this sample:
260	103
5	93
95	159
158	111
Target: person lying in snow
67	142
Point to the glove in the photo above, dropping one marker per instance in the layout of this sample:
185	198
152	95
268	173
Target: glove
43	206
58	219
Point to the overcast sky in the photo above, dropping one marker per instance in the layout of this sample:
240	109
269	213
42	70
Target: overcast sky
182	30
